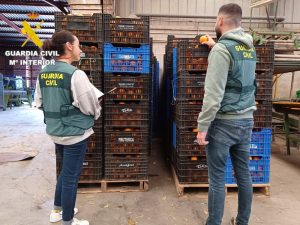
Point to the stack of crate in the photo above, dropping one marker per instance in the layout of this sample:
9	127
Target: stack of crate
89	31
127	109
185	68
167	92
189	158
260	148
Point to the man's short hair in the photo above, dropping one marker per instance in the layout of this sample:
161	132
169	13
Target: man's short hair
233	13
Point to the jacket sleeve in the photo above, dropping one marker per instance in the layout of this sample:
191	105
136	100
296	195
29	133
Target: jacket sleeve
85	94
215	82
38	95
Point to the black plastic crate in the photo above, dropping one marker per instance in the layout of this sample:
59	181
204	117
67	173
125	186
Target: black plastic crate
186	115
191	163
96	78
127	30
90	64
189	87
133	114
265	57
122	142
85	28
191	169
192	57
126	167
92	168
129	87
186	143
263	115
95	144
264	90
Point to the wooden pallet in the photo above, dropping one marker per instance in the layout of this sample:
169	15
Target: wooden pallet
180	187
113	186
264	188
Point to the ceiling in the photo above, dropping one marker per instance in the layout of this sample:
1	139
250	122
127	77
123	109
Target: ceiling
39	14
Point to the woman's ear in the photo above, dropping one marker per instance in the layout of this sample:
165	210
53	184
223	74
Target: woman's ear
69	46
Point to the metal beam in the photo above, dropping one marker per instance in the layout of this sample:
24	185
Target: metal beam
11	24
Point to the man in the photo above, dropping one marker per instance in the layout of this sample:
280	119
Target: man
226	120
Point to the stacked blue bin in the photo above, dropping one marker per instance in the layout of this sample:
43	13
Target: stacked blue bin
127	114
260	147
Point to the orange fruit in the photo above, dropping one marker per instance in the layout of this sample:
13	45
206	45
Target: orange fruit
194	158
203	38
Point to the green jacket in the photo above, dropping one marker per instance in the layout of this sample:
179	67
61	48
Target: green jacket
241	84
61	117
221	68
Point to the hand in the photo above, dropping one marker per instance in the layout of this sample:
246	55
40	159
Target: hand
210	43
201	138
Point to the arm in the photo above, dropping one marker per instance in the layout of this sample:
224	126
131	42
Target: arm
215	82
38	95
85	94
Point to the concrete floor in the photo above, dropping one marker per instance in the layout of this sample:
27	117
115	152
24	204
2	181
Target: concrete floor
27	187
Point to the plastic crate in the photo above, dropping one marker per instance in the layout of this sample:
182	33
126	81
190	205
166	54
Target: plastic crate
126	59
85	28
265	57
192	57
127	115
126	30
121	142
90	64
119	167
186	143
261	142
96	78
189	87
186	118
92	167
259	170
264	90
130	87
95	144
263	115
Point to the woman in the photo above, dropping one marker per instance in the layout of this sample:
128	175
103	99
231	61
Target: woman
70	104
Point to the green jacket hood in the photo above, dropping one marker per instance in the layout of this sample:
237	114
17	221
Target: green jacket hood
240	36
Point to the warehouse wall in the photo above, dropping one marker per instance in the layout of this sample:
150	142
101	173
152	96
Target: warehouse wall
161	27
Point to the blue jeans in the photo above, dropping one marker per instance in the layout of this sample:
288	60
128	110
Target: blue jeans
67	181
229	137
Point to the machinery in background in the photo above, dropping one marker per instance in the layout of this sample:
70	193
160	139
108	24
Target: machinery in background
14	92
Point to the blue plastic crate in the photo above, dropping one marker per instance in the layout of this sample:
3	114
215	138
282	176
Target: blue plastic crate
259	170
261	143
174	62
126	59
174	135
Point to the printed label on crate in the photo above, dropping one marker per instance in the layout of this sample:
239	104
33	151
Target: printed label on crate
127	165
85	163
126	57
125	139
201	166
200	83
126	110
126	85
126	27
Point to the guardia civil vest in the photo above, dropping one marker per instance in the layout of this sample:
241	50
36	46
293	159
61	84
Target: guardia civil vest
241	84
61	117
